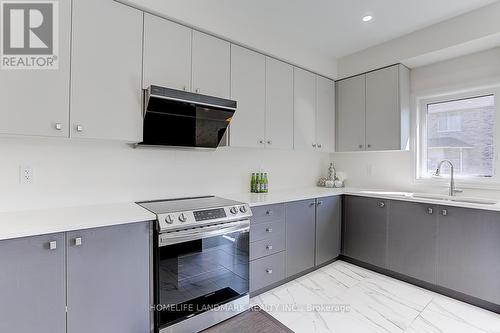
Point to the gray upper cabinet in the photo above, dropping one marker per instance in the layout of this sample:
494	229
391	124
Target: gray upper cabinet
108	279
304	137
211	65
325	114
248	88
279	104
32	285
300	236
469	252
350	114
412	240
106	67
328	229
365	229
36	102
373	110
167	54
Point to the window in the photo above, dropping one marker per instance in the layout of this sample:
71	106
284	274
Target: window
459	129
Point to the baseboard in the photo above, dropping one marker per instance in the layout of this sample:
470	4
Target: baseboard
426	285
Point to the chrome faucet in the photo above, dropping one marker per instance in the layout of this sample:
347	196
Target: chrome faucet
453	190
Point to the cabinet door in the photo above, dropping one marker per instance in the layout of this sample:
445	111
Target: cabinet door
325	114
350	114
328	229
106	71
304	136
211	65
383	115
365	230
32	285
412	240
279	104
36	102
108	279
248	88
469	252
300	234
167	54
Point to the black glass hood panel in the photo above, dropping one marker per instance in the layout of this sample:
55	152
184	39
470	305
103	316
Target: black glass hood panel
183	119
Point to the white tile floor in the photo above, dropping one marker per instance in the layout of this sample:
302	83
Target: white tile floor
362	301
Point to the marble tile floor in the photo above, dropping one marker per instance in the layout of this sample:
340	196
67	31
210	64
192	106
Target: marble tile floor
344	298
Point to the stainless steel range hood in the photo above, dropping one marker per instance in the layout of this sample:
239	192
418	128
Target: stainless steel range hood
177	118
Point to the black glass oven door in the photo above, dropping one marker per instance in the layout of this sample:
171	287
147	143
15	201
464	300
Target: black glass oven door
197	275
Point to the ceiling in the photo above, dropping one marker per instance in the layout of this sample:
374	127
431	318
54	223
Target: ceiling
330	27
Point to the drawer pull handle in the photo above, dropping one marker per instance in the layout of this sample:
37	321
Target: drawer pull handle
269	230
269	247
381	204
444	212
269	271
430	211
269	212
78	241
320	203
52	245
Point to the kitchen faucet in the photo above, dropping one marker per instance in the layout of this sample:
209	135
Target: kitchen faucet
453	190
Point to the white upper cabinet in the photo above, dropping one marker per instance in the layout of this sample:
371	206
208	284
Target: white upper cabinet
167	53
350	111
211	65
304	110
106	71
248	88
325	114
373	110
36	101
279	104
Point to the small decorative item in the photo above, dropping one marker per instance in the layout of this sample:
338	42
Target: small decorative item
322	182
330	183
332	173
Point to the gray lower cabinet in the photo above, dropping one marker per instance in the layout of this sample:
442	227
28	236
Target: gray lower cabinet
33	285
108	279
300	236
328	229
412	239
365	229
267	271
469	252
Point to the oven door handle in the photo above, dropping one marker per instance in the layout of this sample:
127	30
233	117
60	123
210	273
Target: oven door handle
176	237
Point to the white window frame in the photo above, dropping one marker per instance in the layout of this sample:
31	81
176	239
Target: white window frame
420	158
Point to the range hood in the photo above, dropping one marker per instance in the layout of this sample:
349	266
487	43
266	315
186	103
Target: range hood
177	118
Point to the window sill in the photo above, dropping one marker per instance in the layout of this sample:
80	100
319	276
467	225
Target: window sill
490	184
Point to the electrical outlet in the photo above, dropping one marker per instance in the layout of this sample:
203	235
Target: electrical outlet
26	175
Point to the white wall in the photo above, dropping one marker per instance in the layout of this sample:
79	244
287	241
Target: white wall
466	31
76	173
394	170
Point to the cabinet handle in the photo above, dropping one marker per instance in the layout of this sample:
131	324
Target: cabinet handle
261	142
319	203
269	271
79	128
269	230
319	145
78	241
430	211
58	126
269	142
197	90
381	204
184	88
52	245
369	146
360	146
269	247
444	212
312	204
269	212
314	145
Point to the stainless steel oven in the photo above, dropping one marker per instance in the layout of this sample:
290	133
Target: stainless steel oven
201	262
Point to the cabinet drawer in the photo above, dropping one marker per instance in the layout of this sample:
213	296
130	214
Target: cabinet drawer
268	213
266	247
267	230
266	271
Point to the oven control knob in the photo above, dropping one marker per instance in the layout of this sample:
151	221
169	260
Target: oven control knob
169	219
243	209
182	218
234	210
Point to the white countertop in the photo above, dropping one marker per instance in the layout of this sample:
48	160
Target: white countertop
38	222
254	199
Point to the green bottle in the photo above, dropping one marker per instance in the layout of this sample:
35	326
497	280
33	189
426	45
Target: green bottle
253	183
258	183
265	184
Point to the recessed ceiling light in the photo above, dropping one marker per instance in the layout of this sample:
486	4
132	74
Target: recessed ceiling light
367	18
